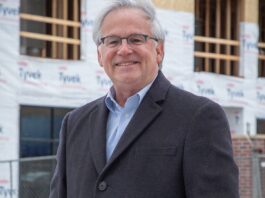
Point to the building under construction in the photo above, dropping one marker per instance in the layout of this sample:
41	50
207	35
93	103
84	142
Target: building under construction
213	48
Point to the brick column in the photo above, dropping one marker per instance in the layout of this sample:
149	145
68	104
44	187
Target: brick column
242	147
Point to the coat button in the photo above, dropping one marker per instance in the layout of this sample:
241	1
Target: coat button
102	186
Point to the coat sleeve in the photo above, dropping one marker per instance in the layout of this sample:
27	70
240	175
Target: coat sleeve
208	164
58	182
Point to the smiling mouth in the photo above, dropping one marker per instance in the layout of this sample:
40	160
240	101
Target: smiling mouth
125	64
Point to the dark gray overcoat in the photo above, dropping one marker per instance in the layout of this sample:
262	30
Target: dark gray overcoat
177	145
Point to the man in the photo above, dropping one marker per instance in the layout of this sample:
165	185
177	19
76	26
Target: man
145	138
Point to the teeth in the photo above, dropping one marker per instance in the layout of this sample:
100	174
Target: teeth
126	64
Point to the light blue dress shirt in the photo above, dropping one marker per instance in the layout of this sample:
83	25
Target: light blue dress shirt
119	117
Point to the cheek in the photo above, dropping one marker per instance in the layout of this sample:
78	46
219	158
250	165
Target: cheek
107	57
104	56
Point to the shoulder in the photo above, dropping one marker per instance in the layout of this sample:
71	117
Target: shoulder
85	110
186	98
178	100
188	102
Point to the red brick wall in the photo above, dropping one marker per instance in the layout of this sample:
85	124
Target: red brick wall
259	146
244	147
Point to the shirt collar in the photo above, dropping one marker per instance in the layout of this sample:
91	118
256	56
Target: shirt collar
113	106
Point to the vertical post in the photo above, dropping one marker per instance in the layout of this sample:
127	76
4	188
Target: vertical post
54	29
65	28
59	9
238	6
261	37
218	34
207	33
75	29
228	36
178	5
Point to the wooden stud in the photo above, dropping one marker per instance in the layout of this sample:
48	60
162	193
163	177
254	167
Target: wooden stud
54	30
228	36
60	28
65	33
261	45
75	29
216	56
218	34
46	37
177	5
236	23
207	34
51	20
216	40
197	8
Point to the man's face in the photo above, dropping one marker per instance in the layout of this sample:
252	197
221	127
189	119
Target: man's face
128	65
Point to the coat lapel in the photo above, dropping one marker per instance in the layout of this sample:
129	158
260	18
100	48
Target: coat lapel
98	122
136	126
148	110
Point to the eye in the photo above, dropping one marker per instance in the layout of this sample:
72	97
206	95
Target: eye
112	41
136	39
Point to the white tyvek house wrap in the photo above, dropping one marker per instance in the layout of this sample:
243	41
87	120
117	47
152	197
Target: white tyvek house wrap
249	36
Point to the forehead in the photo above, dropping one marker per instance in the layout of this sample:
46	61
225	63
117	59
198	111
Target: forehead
125	19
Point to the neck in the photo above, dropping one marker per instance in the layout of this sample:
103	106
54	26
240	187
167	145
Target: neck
123	90
122	94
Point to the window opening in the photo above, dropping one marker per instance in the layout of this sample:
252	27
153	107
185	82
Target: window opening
50	29
216	36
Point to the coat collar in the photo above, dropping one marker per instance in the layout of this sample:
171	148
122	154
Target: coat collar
151	104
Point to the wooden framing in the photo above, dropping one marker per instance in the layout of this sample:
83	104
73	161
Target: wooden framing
218	34
217	46
261	44
45	37
50	20
54	29
178	5
228	36
219	42
65	32
216	56
207	33
261	69
62	29
216	40
76	50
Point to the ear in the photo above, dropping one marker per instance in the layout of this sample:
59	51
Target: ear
99	56
159	52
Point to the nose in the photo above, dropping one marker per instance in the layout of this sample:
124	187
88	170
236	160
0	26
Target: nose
124	48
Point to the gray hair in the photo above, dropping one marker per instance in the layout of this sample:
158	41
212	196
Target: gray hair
144	5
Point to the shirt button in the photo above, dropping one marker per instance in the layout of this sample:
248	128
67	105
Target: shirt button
102	186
